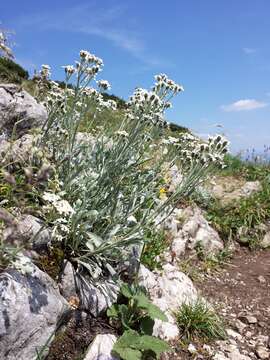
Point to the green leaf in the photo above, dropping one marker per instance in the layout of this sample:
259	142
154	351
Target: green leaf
153	311
146	325
126	291
152	343
113	311
125	316
127	353
131	346
94	239
125	347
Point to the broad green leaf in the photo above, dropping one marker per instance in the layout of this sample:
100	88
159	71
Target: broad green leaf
125	315
158	346
126	291
126	345
146	325
153	311
113	311
127	353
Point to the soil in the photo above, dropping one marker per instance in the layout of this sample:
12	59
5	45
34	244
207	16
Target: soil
73	340
239	289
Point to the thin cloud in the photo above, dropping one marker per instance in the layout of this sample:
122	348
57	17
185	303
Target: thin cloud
249	51
244	105
88	20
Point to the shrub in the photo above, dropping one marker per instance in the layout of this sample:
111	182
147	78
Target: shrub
110	180
11	71
198	321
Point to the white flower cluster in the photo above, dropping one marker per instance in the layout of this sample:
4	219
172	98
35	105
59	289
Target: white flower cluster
89	58
4	49
150	105
62	206
164	83
146	106
193	150
97	98
45	72
205	153
55	98
104	84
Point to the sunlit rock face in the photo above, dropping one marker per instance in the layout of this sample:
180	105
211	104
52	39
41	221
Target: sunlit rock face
20	108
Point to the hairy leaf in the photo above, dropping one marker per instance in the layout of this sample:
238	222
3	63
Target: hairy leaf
127	346
153	311
146	325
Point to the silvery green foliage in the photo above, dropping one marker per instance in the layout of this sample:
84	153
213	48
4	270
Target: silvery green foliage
111	184
5	50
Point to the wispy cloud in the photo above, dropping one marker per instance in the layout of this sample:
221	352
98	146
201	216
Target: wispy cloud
249	51
244	105
97	21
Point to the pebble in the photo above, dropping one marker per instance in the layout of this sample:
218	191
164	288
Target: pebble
192	349
262	352
248	319
240	326
261	279
233	334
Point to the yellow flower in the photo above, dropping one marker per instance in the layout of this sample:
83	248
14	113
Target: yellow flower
162	193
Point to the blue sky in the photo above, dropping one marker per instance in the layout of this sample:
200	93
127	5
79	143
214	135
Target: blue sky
218	50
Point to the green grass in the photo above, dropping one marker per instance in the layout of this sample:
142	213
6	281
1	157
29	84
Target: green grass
197	321
248	170
247	214
195	267
11	72
156	244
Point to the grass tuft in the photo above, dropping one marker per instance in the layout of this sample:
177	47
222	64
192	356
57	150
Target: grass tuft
198	321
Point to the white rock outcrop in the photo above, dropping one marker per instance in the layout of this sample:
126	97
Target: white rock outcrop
168	290
20	108
101	347
31	308
29	230
188	228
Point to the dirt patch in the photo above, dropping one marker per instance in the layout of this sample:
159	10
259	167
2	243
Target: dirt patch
241	293
72	343
243	285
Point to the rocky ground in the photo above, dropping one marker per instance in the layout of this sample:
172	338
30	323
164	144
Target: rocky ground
44	301
241	294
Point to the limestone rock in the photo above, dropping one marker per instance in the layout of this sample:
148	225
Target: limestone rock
248	319
20	150
188	228
31	307
228	189
95	298
168	290
262	352
29	230
67	282
17	106
101	347
265	243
